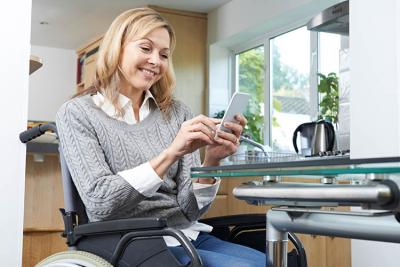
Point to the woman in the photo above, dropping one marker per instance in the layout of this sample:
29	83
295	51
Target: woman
130	146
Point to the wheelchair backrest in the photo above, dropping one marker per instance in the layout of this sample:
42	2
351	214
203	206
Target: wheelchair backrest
72	200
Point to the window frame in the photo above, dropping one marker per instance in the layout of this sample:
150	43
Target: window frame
264	40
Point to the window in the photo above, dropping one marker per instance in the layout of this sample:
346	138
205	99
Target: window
250	74
289	86
328	69
284	91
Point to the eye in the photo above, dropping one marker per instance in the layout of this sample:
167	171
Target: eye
145	49
166	56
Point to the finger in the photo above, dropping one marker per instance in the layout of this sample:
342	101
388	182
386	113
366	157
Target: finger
236	128
232	138
200	127
209	122
216	121
231	146
196	136
241	119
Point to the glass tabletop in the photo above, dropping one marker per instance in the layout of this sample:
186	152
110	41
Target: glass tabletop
340	167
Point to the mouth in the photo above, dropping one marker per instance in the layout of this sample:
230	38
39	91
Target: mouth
149	73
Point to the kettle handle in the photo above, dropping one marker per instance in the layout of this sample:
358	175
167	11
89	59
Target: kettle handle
295	138
331	136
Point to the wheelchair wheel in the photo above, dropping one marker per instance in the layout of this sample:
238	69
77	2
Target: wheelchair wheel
73	258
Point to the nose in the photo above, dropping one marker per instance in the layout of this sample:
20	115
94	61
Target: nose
154	58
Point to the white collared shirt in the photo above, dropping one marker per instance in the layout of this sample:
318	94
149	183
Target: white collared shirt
126	105
143	177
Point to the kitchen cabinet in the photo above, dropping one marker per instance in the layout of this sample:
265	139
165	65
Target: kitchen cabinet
43	224
86	63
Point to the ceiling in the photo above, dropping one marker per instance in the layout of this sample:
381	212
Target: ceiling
70	23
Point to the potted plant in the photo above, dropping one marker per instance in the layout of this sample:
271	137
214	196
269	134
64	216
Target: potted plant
328	88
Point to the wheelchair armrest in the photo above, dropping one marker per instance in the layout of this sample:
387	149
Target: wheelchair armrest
195	260
120	225
236	220
136	228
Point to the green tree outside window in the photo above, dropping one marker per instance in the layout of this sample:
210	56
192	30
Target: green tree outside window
251	80
287	82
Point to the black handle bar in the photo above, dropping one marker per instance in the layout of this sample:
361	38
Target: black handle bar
36	131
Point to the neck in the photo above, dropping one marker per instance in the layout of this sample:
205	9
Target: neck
136	96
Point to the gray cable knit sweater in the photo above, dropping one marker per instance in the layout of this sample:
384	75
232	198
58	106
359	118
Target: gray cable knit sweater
96	147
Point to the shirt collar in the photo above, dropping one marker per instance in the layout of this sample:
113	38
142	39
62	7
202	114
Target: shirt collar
148	95
125	103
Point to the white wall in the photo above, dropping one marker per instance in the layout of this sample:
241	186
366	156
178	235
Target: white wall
374	101
375	84
53	83
15	27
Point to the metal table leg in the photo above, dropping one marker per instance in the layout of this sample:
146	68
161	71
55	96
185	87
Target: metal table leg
374	226
277	242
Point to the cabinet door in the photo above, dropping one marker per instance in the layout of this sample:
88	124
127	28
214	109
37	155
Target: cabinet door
189	57
43	223
39	245
86	71
89	70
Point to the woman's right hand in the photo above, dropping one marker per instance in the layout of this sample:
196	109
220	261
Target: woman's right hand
193	134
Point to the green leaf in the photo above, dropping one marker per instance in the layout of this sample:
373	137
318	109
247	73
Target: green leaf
328	87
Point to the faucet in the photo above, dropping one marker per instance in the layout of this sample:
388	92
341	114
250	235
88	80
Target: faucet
253	143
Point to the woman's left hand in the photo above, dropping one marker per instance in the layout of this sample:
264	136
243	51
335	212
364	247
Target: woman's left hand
225	143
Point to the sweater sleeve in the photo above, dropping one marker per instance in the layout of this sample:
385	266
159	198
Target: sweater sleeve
186	197
104	194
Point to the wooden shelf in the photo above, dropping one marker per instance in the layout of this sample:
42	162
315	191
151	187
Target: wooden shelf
34	64
42	230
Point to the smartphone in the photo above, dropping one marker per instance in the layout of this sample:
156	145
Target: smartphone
237	105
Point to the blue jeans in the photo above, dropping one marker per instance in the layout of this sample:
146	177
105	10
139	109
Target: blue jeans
215	252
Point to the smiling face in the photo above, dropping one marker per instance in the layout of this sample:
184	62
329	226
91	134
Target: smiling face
144	61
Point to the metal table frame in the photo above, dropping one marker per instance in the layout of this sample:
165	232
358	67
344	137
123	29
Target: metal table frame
296	206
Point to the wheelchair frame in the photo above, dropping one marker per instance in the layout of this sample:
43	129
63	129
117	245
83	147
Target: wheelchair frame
77	227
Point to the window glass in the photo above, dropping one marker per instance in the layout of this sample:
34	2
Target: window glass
328	76
290	92
250	79
290	87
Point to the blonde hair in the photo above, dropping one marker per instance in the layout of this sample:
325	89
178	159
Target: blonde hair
131	24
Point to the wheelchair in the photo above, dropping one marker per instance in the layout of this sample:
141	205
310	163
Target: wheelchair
139	241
